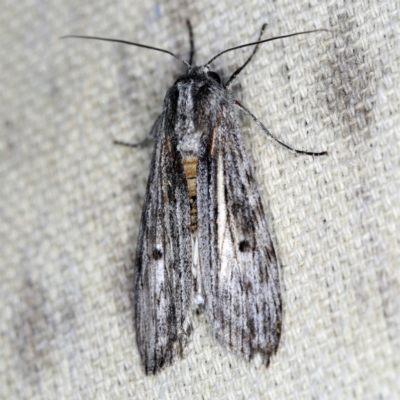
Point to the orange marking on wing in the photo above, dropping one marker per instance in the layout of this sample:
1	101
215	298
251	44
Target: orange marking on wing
213	137
212	142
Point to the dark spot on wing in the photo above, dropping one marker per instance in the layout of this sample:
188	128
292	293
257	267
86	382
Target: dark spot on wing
157	253
244	246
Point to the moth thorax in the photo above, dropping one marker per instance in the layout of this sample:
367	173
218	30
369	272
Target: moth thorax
190	171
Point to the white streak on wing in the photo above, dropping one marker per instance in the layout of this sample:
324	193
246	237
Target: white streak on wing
221	220
159	268
225	245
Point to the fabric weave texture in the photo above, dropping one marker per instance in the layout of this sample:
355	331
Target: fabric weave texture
70	200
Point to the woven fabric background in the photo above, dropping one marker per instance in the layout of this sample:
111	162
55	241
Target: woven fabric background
70	201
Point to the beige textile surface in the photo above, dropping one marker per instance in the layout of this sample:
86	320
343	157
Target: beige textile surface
70	201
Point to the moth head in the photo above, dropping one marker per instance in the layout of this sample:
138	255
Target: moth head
205	70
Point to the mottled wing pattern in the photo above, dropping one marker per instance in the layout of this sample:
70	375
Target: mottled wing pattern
163	277
238	264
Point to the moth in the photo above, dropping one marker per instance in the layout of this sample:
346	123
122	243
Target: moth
204	240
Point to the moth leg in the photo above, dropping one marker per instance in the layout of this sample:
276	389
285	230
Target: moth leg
191	40
237	72
151	136
265	130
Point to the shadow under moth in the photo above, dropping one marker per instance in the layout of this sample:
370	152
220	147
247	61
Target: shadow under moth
203	239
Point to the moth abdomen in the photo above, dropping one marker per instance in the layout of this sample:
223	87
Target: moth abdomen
190	171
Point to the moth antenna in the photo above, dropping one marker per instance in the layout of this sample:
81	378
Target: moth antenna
264	41
191	41
126	42
240	69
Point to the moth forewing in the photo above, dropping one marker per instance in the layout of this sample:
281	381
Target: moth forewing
240	273
163	261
